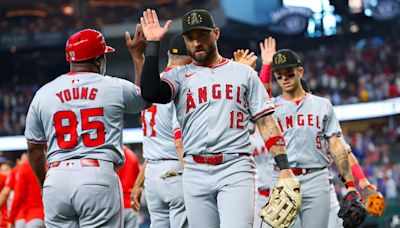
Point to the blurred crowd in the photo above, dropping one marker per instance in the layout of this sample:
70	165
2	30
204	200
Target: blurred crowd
61	15
367	70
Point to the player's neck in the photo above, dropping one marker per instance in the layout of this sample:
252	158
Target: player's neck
83	68
296	95
214	60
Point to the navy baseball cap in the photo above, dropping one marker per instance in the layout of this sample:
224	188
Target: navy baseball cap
197	19
285	58
177	45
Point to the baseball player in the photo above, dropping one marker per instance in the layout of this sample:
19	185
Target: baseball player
19	219
311	128
162	150
127	175
376	201
79	116
5	169
215	98
27	194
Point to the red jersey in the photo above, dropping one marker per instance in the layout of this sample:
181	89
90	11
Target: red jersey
3	209
27	192
128	173
10	182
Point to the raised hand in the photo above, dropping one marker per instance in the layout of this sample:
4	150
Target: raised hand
137	45
245	57
152	29
268	49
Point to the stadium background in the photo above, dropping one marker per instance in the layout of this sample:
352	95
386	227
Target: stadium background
350	49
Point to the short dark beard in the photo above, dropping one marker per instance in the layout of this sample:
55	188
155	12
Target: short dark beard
207	57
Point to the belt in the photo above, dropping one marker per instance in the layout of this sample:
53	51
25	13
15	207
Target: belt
84	162
213	159
302	171
264	192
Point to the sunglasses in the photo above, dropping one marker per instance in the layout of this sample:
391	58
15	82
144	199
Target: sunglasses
288	75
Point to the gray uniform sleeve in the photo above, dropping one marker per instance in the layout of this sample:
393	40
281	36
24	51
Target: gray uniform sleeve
133	100
34	132
332	126
171	78
175	123
258	99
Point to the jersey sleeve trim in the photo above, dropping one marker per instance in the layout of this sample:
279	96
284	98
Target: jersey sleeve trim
263	113
170	85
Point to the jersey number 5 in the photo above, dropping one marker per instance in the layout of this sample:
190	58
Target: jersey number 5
70	129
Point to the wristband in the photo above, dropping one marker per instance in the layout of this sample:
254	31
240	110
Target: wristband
275	141
152	48
177	133
349	184
265	73
357	172
282	161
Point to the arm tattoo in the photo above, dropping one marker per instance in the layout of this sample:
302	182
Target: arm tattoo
341	160
269	128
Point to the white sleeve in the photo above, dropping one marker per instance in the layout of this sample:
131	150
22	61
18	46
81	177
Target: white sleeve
258	99
132	97
34	131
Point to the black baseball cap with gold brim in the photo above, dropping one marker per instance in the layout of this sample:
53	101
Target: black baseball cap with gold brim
197	19
285	58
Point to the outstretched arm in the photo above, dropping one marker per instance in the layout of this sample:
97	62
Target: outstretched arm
153	89
268	49
136	48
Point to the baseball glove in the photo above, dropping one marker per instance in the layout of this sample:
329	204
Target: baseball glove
373	201
352	210
284	203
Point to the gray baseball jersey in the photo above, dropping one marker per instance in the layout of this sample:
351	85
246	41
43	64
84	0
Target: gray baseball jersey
159	125
307	127
214	105
81	115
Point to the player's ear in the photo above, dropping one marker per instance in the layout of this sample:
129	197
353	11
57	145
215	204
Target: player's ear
216	32
301	71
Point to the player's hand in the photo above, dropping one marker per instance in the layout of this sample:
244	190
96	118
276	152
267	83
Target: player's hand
137	45
136	196
268	49
152	29
286	173
245	57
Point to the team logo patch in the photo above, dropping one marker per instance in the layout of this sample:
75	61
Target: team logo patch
280	58
174	50
194	19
